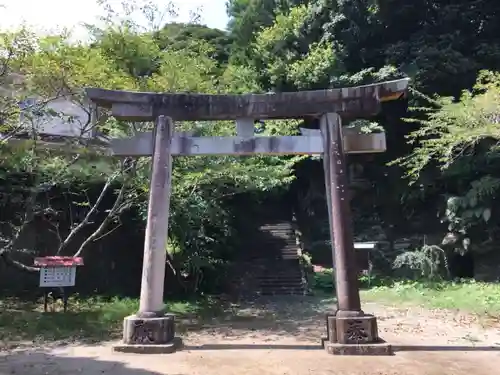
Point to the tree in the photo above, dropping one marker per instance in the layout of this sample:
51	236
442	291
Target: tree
442	45
180	36
246	17
456	150
50	71
125	56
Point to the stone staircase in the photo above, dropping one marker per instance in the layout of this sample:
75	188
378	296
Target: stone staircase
284	278
270	265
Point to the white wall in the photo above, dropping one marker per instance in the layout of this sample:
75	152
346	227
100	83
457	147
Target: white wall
73	122
70	122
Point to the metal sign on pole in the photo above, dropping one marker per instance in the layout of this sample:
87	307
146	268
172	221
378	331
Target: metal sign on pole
57	272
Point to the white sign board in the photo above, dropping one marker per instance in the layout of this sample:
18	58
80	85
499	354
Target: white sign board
51	277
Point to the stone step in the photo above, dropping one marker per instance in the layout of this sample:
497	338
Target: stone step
281	242
281	286
276	225
272	258
287	232
267	228
274	266
279	276
279	281
272	261
263	248
276	244
274	240
282	292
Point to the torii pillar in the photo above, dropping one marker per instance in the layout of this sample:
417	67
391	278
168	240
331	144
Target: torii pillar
151	330
350	330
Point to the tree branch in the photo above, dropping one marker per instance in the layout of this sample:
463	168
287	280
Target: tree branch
21	266
85	221
104	223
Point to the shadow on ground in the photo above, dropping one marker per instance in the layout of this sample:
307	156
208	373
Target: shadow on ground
445	348
299	317
295	323
250	347
42	363
396	348
24	324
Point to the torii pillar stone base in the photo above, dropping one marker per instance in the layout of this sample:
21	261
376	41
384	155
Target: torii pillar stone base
354	336
149	335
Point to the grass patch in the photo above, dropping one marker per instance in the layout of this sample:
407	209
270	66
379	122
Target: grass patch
468	296
93	319
482	299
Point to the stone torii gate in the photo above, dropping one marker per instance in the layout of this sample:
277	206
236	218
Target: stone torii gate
350	330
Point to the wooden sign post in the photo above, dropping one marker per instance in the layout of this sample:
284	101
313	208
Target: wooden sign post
350	330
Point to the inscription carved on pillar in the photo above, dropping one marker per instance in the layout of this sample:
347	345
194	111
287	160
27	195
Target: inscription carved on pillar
353	330
143	332
149	331
356	332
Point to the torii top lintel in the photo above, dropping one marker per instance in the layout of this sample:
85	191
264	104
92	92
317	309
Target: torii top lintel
357	101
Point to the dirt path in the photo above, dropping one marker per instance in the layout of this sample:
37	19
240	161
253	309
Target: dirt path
281	337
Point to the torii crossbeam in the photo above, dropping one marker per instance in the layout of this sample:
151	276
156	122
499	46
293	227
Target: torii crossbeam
358	101
350	330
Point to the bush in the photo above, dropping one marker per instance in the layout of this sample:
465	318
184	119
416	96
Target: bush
325	281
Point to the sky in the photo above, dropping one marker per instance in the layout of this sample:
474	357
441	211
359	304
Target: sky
47	15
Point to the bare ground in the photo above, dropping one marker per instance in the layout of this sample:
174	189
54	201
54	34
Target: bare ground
282	337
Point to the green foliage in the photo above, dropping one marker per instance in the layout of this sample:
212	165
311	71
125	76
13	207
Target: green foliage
419	37
291	56
453	130
324	281
279	49
246	18
239	79
365	126
179	37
